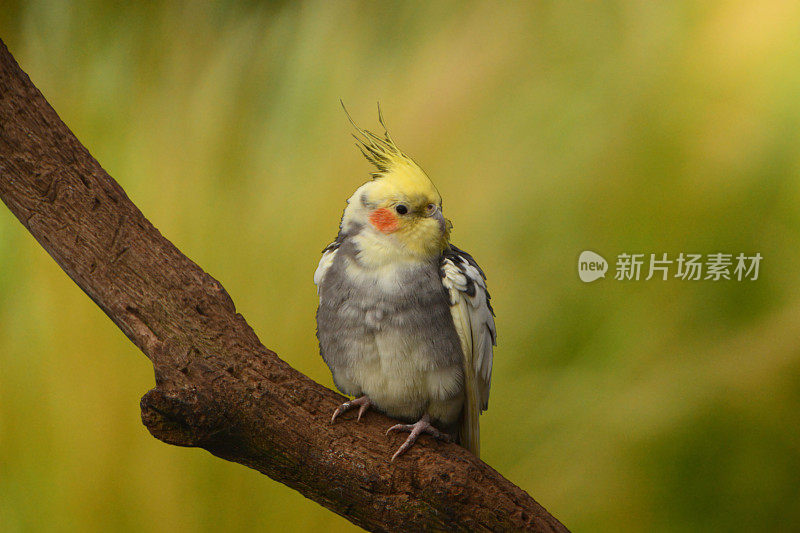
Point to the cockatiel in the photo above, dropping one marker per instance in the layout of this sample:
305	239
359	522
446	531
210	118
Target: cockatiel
404	320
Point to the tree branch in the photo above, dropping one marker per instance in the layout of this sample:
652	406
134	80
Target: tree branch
217	386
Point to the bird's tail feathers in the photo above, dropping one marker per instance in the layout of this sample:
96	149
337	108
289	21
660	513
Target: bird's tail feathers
469	434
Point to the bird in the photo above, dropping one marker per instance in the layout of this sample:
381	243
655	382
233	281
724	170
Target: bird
404	321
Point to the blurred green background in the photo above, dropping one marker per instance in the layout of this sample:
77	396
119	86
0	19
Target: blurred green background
549	128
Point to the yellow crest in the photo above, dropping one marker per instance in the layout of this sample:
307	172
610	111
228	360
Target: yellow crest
395	169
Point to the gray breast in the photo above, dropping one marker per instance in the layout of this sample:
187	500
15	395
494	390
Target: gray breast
355	309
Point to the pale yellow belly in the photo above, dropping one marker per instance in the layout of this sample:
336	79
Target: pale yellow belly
404	384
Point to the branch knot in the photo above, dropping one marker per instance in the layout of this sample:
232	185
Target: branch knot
183	417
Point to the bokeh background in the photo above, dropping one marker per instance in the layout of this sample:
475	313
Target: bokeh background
549	128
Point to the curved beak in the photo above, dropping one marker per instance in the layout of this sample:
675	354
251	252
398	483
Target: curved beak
444	225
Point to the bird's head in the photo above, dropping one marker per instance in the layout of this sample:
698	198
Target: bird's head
399	211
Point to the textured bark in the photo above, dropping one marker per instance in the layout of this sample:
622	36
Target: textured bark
217	386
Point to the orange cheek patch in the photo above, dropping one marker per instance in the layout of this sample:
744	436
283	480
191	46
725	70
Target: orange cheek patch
384	220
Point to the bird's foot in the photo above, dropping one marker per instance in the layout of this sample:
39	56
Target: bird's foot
362	403
422	426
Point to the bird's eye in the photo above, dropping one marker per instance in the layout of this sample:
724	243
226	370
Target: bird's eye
431	208
401	209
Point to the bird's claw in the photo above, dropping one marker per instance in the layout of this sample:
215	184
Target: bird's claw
415	430
363	404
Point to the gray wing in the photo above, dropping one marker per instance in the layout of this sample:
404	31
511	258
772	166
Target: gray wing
325	263
474	321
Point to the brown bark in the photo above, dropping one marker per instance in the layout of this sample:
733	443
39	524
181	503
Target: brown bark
217	386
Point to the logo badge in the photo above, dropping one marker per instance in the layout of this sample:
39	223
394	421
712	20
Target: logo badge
591	266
